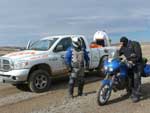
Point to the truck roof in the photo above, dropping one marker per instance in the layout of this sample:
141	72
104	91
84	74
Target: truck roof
61	36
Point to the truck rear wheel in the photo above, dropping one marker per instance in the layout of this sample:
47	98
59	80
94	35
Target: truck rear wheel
39	81
101	71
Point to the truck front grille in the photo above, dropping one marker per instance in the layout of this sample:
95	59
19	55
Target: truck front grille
4	65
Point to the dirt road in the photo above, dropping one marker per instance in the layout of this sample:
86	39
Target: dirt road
13	100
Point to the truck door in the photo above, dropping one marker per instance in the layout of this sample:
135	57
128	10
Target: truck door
60	51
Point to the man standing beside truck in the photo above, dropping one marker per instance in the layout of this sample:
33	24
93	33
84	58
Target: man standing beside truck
133	53
76	59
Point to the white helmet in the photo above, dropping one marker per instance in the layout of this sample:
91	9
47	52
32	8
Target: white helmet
100	35
76	42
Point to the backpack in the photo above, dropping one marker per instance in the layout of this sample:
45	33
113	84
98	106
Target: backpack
137	49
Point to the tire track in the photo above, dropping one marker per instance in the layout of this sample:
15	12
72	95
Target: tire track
9	91
32	102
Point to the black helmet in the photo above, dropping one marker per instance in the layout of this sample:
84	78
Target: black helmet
124	40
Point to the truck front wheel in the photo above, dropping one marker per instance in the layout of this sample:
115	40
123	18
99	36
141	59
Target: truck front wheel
39	81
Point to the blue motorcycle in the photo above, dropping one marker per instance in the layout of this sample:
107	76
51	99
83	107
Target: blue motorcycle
116	78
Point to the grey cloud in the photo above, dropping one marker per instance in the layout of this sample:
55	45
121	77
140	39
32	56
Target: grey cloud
35	18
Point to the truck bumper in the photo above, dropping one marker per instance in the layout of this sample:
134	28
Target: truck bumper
14	76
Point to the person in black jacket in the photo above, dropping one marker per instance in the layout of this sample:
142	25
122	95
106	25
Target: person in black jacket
133	53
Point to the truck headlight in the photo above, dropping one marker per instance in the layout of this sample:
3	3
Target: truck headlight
20	64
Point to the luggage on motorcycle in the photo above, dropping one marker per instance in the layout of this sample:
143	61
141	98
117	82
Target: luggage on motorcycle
146	71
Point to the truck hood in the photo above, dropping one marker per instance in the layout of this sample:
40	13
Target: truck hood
26	54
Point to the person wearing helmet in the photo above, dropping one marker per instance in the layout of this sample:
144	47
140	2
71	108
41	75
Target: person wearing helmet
133	53
77	60
100	40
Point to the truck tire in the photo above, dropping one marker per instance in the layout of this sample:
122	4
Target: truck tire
101	67
39	81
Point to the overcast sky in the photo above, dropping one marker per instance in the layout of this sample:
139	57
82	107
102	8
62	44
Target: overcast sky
22	20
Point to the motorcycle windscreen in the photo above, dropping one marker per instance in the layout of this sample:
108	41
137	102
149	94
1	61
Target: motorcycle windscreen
147	70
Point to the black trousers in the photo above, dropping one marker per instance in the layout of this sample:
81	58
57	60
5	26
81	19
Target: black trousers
77	75
136	79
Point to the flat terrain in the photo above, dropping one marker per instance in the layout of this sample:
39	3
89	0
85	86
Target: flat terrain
13	100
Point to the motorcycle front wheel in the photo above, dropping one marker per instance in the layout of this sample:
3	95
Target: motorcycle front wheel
103	94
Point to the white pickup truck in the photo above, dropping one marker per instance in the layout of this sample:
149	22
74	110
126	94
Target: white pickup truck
43	60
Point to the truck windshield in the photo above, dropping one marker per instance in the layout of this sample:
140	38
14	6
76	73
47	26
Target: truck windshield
42	45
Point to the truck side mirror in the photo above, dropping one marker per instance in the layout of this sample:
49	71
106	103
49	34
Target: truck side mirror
28	44
59	48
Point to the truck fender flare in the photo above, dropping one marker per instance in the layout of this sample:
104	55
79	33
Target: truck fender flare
101	59
42	66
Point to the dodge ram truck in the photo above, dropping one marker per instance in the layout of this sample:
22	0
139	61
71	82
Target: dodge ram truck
44	60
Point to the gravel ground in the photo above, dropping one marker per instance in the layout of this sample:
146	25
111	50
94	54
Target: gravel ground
118	103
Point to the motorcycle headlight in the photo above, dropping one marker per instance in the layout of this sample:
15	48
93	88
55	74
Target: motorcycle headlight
20	64
110	69
105	67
